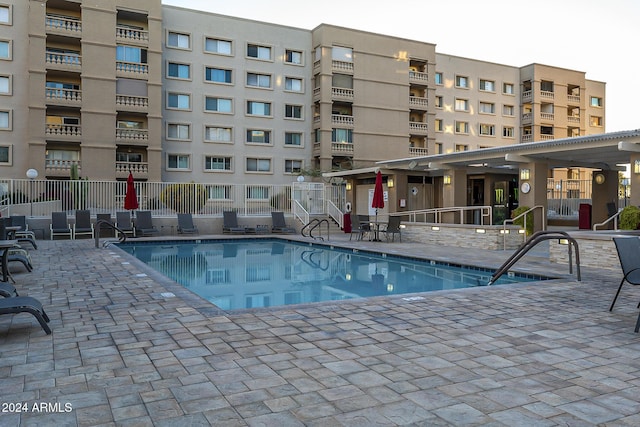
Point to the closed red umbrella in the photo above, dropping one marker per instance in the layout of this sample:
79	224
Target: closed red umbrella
130	198
378	199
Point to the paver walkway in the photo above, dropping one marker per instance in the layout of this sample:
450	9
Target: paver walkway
124	353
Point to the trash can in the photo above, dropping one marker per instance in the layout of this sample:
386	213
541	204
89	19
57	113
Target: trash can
584	216
346	221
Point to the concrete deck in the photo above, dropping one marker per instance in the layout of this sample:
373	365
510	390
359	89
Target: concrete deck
122	354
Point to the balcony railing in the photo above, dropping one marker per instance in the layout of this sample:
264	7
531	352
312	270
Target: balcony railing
418	151
573	119
527	117
64	25
132	68
527	96
342	148
418	127
64	96
547	116
546	94
60	130
340	92
341	120
342	65
60	167
138	169
64	60
544	137
574	99
417	76
527	138
132	102
132	134
132	34
418	102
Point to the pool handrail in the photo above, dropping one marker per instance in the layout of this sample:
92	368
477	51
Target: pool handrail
98	226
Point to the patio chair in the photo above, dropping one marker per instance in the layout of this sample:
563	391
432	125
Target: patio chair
144	224
230	223
83	225
124	223
185	224
31	305
359	228
60	225
24	234
393	228
628	249
279	225
102	227
7	290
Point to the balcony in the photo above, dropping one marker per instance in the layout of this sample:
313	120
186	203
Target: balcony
60	168
342	66
63	132
527	117
418	128
342	93
139	170
342	148
132	35
418	77
573	119
139	136
547	116
545	94
63	61
64	26
418	151
527	138
342	120
418	102
527	96
69	97
134	70
544	137
574	99
132	103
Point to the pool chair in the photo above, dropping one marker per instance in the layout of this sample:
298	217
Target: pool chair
24	234
279	225
124	223
230	223
185	224
359	228
628	249
7	290
15	305
393	228
60	225
83	225
104	230
144	224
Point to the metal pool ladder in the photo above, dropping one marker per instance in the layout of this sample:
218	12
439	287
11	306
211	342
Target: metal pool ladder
530	243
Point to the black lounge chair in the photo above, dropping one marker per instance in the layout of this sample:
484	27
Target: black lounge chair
628	249
185	224
124	223
104	229
7	290
83	223
24	234
60	225
230	223
279	225
144	224
31	305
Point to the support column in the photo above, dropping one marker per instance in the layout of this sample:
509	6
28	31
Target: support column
634	180
603	192
454	193
537	194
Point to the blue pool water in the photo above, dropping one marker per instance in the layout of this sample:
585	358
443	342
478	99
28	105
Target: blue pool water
241	274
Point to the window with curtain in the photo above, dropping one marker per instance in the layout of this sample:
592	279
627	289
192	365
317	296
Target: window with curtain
258	165
179	40
221	47
217	75
217	134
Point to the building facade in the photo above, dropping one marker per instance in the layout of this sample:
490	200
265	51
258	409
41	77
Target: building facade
176	94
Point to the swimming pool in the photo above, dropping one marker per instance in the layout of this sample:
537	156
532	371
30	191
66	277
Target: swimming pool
252	273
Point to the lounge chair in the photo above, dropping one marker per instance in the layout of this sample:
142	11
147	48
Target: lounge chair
144	224
358	227
24	234
83	225
31	305
104	227
185	224
393	228
279	225
7	290
60	225
628	249
124	223
230	224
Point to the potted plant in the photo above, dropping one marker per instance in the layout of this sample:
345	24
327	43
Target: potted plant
630	218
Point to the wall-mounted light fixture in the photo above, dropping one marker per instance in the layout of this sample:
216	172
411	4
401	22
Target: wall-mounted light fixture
446	179
390	182
599	178
525	174
348	186
636	167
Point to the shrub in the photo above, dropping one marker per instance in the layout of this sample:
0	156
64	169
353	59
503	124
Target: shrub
520	221
630	218
182	197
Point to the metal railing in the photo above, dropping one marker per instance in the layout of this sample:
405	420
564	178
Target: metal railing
613	218
335	213
524	226
435	215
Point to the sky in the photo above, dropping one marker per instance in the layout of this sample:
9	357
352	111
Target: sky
594	36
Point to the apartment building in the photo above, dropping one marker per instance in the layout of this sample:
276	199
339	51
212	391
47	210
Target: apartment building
177	94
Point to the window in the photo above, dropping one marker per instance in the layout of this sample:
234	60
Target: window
439	148
5	49
217	163
217	75
221	47
178	131
293	84
293	57
257	136
508	88
293	138
546	86
508	110
178	161
342	135
178	71
487	85
131	54
259	108
258	165
461	147
439	126
487	107
462	105
595	121
344	54
462	81
220	192
341	80
179	101
5	120
259	52
218	105
5	15
128	157
5	154
217	134
439	101
5	85
438	78
487	130
293	111
178	40
462	127
259	80
292	166
596	101
262	193
508	132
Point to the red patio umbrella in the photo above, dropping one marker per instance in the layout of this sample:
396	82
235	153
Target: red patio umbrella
130	198
378	199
